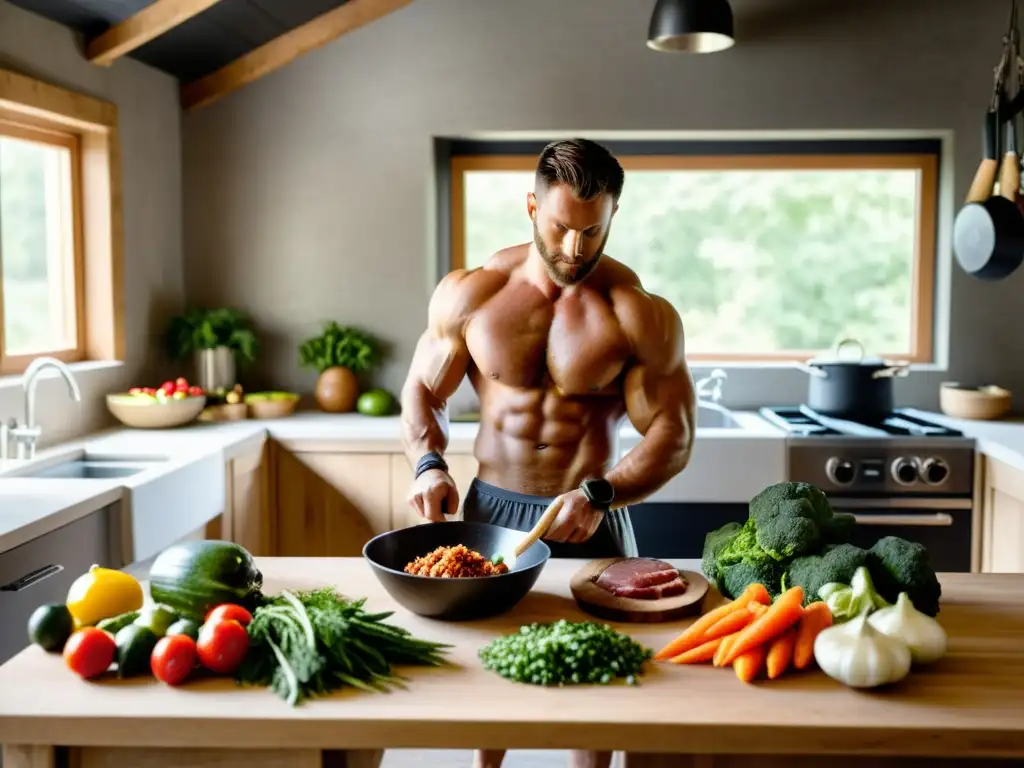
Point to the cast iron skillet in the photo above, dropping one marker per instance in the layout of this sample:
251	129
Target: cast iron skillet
454	599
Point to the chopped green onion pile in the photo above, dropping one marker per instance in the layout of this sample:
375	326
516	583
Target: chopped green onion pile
564	653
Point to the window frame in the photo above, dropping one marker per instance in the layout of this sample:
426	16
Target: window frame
456	158
76	352
54	114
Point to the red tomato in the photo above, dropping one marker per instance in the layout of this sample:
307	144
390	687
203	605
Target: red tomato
89	651
222	645
173	658
168	386
230	611
195	391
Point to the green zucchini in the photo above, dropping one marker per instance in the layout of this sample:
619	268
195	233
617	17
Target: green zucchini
193	577
135	645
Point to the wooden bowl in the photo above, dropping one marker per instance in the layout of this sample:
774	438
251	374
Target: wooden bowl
986	403
262	408
225	412
143	413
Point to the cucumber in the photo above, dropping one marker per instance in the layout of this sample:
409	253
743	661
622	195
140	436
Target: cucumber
135	645
115	624
50	626
157	618
193	577
184	627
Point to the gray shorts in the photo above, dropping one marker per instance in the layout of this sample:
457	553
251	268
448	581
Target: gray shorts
486	503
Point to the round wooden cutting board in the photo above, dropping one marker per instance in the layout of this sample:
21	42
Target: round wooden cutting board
603	604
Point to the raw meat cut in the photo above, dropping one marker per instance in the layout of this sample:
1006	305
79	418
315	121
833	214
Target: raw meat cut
641	578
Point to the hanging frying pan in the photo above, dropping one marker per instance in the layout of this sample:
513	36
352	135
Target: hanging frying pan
988	234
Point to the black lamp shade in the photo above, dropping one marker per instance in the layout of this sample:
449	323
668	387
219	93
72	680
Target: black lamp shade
691	26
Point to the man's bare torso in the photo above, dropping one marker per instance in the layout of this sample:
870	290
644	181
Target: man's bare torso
549	369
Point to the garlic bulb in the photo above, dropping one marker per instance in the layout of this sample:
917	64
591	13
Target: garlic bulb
923	635
858	655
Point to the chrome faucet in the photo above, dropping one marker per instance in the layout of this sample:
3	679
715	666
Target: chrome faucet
712	382
26	435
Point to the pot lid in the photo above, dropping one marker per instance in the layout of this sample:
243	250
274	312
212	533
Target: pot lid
853	358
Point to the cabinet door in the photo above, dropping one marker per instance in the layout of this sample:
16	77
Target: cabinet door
462	467
330	504
1003	520
43	570
247	511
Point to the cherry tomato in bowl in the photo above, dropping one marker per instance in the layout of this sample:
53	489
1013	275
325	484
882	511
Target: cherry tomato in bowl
222	645
173	658
230	611
89	652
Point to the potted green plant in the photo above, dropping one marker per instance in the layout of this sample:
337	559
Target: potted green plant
338	354
216	339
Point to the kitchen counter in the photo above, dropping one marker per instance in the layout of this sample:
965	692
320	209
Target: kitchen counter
1002	440
29	506
968	705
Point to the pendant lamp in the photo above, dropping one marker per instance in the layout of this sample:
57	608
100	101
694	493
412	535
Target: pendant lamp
691	26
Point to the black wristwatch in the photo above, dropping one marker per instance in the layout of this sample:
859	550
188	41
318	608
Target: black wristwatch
599	493
432	460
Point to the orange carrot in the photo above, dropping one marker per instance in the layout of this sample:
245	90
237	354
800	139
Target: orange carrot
783	614
703	652
693	635
780	653
816	617
749	663
733	622
757	609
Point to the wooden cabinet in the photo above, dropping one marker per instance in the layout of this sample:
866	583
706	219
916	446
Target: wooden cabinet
461	466
1002	528
329	504
246	519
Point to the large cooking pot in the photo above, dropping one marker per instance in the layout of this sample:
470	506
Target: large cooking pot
852	388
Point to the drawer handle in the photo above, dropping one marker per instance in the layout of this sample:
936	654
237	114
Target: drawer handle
34	577
939	519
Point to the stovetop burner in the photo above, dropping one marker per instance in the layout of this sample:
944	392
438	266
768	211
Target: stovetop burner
805	422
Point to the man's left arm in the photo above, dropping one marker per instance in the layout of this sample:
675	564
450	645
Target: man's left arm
660	400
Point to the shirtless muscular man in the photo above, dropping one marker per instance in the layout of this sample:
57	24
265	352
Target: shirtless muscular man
559	341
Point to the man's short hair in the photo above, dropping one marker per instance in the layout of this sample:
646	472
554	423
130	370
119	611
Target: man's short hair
588	168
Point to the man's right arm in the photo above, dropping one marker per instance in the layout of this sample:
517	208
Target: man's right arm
439	364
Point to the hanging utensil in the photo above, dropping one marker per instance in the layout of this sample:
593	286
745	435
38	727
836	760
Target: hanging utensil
988	232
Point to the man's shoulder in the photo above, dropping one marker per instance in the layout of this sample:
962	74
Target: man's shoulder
649	320
463	291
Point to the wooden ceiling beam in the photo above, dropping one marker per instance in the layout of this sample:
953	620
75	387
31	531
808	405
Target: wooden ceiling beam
135	31
284	49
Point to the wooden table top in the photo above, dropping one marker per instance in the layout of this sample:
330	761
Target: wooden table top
969	703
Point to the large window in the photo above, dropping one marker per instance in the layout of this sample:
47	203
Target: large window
61	237
770	252
40	244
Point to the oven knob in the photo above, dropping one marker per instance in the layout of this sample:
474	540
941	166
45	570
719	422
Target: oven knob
840	471
934	471
904	470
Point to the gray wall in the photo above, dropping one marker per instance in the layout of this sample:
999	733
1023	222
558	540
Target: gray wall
150	123
308	188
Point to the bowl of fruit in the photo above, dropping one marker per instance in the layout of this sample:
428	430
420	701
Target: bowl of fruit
272	405
173	404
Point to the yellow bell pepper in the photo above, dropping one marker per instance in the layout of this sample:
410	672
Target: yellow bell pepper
102	593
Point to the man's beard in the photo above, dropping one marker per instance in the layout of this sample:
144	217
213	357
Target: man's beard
561	273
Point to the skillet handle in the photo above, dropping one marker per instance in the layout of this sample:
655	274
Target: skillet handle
1009	173
985	177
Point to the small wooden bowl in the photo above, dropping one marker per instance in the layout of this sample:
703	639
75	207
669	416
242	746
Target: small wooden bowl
225	412
272	409
982	403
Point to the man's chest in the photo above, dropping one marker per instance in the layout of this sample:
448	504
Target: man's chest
575	344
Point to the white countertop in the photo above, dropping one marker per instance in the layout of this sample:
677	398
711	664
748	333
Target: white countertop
30	507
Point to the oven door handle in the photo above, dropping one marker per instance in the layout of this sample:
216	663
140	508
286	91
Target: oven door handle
938	520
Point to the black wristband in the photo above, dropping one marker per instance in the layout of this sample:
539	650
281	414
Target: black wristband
432	460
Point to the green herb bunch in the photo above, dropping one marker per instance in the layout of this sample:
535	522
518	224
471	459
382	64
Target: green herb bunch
303	644
340	346
211	328
565	652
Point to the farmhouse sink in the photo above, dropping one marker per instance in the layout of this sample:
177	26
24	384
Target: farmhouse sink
91	467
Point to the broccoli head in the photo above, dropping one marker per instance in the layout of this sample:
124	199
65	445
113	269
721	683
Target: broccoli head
769	502
714	542
836	564
897	565
742	546
738	576
838	529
